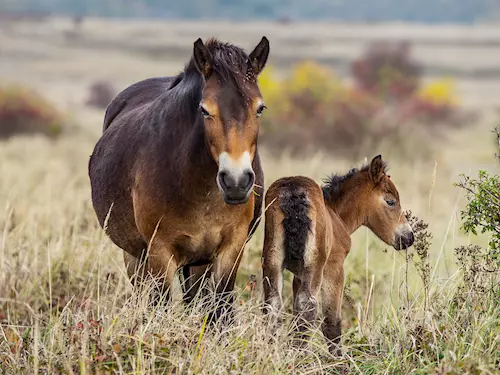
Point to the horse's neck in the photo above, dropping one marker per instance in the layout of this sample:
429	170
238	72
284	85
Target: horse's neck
350	211
195	167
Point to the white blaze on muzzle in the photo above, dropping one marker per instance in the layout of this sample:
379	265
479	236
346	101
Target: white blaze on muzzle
227	163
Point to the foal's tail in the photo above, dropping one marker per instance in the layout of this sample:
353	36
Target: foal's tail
295	206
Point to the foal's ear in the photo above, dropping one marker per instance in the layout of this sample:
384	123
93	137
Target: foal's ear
377	169
259	55
202	58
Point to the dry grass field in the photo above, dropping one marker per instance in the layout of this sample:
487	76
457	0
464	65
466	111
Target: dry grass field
66	305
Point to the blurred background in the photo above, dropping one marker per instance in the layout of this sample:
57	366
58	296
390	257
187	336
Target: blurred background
343	77
417	81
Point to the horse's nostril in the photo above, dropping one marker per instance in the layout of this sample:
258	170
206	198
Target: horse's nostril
228	181
247	179
224	179
411	239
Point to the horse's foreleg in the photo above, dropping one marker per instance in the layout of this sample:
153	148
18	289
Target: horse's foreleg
331	298
224	276
194	277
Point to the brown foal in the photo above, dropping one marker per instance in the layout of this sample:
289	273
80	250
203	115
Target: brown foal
308	230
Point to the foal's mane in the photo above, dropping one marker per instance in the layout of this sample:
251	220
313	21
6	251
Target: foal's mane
332	188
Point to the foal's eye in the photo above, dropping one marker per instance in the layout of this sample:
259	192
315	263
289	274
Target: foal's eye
204	112
390	202
260	110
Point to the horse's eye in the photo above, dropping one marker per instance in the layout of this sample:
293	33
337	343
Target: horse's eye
390	202
204	112
260	110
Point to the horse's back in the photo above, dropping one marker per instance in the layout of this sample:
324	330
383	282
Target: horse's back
136	95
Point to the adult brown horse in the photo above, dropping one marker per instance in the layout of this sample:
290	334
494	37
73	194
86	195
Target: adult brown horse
174	171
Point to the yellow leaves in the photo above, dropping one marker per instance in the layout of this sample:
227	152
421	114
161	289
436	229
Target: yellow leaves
272	89
268	83
441	91
308	76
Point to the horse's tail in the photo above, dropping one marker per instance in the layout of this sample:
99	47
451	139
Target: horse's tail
295	206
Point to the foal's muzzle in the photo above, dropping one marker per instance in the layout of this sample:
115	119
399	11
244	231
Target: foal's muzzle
404	238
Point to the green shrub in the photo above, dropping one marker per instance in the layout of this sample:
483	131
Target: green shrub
23	111
480	266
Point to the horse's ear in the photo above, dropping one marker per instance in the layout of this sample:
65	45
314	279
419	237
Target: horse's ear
202	58
259	55
377	169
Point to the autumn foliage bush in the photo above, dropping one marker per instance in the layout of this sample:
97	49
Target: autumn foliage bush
313	108
23	111
387	70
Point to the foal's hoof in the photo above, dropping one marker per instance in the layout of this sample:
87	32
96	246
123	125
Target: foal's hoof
336	350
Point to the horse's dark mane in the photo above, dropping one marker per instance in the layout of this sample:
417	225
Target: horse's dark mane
332	187
230	63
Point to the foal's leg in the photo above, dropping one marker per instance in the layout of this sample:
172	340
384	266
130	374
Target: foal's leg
272	266
310	274
331	296
295	286
305	303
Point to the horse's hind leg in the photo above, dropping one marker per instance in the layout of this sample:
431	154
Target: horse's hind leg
306	298
156	271
136	269
331	298
307	284
273	255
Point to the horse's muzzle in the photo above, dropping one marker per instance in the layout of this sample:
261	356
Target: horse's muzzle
236	188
